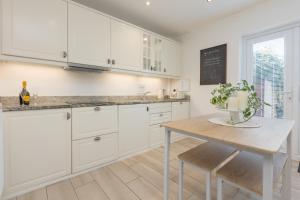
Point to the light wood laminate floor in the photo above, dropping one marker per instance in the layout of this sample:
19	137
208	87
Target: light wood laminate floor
141	178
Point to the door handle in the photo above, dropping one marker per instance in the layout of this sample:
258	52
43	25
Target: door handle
96	139
68	116
97	108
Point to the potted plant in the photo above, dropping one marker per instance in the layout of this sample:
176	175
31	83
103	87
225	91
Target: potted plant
240	100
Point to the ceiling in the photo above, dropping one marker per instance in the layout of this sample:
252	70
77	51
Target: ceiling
171	18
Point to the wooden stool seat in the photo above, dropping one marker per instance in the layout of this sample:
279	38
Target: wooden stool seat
246	171
207	156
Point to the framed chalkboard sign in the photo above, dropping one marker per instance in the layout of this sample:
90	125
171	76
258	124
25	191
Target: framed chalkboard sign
213	65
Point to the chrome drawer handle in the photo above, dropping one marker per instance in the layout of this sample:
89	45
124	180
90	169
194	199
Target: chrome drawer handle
97	109
97	139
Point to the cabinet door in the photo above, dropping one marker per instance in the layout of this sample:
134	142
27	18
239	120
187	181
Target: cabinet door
171	58
133	129
180	110
157	134
89	36
126	46
37	148
92	152
93	121
152	53
35	29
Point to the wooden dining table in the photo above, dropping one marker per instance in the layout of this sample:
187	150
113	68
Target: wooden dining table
265	140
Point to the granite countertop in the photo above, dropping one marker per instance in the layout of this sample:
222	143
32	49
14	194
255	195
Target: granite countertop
10	104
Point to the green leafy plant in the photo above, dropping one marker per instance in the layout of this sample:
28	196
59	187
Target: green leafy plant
224	91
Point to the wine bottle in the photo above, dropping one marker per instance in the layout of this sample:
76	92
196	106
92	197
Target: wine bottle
24	95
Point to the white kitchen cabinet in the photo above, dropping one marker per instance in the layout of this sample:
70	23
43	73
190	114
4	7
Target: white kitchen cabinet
180	111
88	36
93	121
157	134
37	148
133	128
126	44
152	53
94	151
35	29
171	58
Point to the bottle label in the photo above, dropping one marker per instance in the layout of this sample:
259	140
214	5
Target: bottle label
26	98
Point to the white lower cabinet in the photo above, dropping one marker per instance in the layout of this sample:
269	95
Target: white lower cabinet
93	121
94	151
180	110
133	128
37	148
156	135
160	113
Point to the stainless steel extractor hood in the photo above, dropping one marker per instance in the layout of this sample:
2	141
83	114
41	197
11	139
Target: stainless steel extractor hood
83	67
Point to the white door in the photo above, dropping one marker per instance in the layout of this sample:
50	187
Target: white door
37	148
89	36
270	68
271	65
133	129
126	44
35	29
171	58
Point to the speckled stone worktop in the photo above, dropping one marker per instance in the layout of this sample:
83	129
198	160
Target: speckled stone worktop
10	104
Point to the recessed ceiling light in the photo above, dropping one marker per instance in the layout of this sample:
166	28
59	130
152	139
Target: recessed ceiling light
209	0
148	3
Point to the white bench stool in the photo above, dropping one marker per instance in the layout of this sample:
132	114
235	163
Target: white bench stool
208	157
245	171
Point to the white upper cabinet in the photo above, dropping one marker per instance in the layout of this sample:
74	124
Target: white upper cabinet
35	29
126	46
171	58
89	36
152	53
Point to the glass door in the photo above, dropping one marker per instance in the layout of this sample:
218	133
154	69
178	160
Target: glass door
152	53
269	67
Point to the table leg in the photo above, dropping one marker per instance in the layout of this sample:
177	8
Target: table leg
268	177
287	179
166	163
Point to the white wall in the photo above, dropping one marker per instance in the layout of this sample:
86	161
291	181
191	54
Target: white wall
54	81
269	14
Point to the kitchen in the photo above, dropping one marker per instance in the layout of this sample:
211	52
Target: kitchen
103	89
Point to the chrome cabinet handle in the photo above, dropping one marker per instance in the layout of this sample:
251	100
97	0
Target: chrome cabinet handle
96	139
97	108
65	54
68	116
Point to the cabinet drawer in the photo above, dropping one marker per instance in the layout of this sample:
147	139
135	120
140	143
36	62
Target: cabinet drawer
93	121
180	110
156	135
160	118
90	152
160	107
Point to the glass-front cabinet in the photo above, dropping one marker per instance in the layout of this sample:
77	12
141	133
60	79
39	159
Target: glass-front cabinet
152	53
